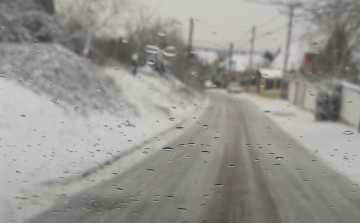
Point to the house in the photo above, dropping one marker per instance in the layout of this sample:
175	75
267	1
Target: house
308	64
207	57
239	65
268	82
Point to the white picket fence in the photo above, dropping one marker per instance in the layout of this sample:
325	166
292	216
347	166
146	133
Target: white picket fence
303	95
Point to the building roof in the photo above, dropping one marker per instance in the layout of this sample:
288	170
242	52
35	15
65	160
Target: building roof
270	73
207	57
241	62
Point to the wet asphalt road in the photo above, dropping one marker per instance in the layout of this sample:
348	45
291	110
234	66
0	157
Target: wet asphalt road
235	165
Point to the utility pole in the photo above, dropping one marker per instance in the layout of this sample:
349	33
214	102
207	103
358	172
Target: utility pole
251	57
190	37
288	41
231	50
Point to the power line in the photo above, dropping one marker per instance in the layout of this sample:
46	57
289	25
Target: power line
234	29
269	21
273	31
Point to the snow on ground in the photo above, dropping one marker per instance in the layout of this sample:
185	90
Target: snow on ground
47	143
335	143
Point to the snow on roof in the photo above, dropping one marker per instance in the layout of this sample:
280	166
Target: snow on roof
207	57
241	62
270	73
354	87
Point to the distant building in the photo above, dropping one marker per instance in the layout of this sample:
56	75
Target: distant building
240	65
268	81
207	57
308	64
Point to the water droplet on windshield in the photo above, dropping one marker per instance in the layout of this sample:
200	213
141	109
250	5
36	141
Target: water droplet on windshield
167	149
56	101
219	185
161	33
152	49
267	111
279	158
2	75
172	119
151	62
349	132
231	165
150	170
191	144
182	209
169	51
205	151
125	41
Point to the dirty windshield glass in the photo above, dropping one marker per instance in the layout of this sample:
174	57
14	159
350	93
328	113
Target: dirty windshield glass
179	111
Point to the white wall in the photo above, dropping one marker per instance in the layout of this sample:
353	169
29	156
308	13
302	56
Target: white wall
350	104
300	94
292	92
310	98
303	95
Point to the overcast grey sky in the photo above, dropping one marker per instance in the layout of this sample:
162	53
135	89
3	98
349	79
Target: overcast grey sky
230	19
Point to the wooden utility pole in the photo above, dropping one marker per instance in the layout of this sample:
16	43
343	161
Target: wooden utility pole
231	51
190	37
251	72
288	42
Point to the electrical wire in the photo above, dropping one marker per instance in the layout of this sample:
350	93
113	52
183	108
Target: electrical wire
228	29
268	21
273	31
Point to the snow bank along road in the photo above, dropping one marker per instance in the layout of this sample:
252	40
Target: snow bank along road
235	165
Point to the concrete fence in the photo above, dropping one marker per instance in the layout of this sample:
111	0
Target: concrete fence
303	95
350	103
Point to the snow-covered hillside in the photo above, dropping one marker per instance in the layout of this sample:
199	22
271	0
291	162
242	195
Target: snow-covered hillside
62	116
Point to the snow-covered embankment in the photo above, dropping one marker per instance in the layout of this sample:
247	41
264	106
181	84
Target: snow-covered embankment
61	116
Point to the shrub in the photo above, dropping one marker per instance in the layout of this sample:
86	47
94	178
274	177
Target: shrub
328	103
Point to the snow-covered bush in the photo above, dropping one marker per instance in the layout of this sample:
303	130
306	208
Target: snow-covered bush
328	103
24	21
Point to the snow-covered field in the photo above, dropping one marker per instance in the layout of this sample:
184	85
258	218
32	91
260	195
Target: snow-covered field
335	143
51	136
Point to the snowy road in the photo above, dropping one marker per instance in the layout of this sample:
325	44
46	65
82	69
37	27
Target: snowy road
235	165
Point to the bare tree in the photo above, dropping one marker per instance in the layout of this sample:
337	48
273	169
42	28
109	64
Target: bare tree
145	28
339	20
93	17
24	21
